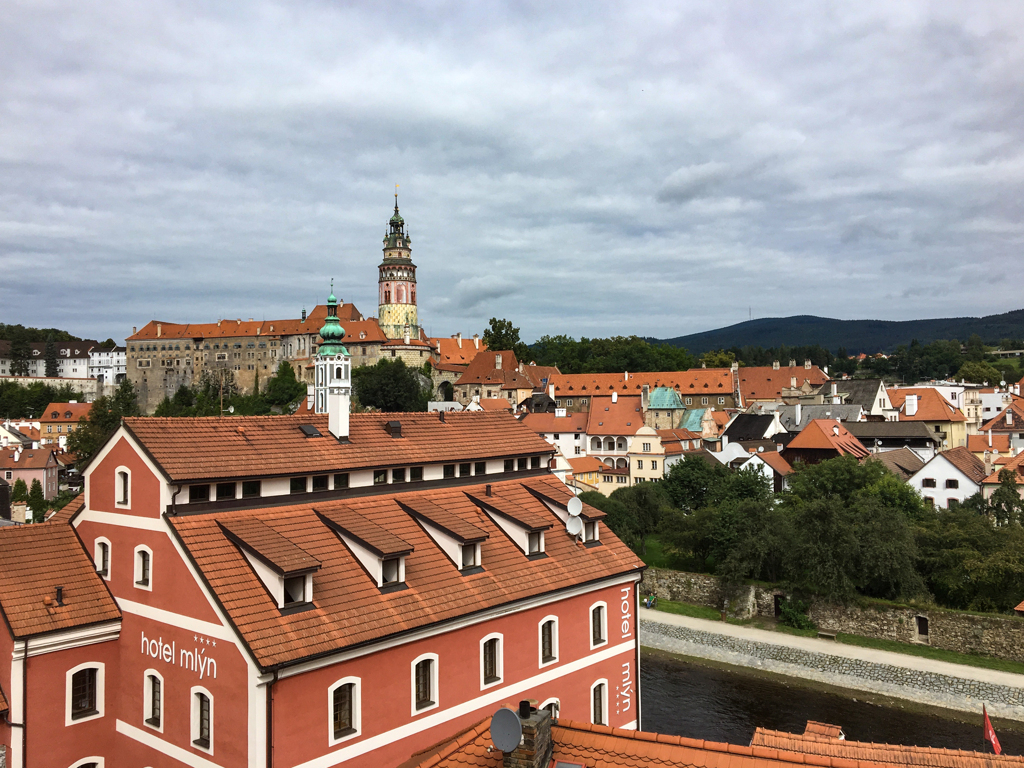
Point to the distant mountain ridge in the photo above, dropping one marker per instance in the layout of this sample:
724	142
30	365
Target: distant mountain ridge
856	335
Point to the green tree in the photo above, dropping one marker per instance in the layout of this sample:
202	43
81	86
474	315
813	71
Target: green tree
104	419
389	386
978	372
37	502
52	369
19	356
645	504
717	359
19	491
283	388
501	334
1005	504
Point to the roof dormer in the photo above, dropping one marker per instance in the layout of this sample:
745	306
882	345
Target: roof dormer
285	569
524	527
459	539
380	552
590	516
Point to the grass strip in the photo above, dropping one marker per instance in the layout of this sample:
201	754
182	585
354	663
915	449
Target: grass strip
938	654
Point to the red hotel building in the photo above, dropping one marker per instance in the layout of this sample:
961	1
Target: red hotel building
308	591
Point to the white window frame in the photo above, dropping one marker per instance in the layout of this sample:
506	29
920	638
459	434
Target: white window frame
357	713
433	683
604	701
147	700
499	661
137	565
540	642
590	624
100	668
118	504
558	704
96	559
194	718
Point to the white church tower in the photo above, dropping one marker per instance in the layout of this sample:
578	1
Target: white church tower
333	384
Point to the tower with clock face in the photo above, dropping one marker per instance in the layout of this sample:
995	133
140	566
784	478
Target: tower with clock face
397	313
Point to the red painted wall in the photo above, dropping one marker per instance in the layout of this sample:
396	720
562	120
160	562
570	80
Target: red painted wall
145	486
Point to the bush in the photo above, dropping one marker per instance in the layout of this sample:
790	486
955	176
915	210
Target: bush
793	613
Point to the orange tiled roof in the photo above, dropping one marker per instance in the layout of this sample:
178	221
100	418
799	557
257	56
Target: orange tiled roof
495	404
998	423
450	353
774	460
821	745
65	413
623	417
538	374
230	328
604	747
69	510
548	422
583	464
722	417
350	609
1016	464
966	462
826	434
412	343
483	370
694	382
672	441
979	443
30	458
931	406
766	383
38	558
267	446
362	332
1021	606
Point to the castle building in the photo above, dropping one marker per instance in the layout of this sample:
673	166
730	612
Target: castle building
309	590
397	283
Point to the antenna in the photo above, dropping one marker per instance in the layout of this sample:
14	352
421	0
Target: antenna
574	507
506	730
574	526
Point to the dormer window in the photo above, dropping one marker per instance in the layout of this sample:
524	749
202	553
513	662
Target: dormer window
524	526
381	553
469	555
458	538
295	590
285	569
391	571
536	542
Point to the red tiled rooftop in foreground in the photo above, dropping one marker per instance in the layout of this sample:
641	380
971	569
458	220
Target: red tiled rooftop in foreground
826	434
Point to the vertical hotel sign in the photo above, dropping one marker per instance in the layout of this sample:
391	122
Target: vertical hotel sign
624	689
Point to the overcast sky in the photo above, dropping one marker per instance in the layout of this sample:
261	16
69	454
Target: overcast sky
588	169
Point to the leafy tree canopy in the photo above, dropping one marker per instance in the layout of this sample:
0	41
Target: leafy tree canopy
390	386
37	502
501	334
104	419
978	373
614	355
718	359
33	335
28	401
19	491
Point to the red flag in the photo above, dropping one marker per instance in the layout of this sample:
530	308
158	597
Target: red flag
990	733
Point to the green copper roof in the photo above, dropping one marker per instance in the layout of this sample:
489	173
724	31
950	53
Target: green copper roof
332	333
665	398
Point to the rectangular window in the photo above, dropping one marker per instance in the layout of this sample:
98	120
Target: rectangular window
534	542
83	693
449	471
480	468
535	462
341	480
647	447
953	483
250	489
639	463
703	401
295	590
122	487
198	493
689	401
464	470
468	555
344	723
225	491
599	704
424	684
154	701
143	580
521	464
390	570
415	474
597	625
491	649
320	483
510	465
398	475
654	464
578	450
202	705
928	482
590	531
547	641
569	402
297	485
380	476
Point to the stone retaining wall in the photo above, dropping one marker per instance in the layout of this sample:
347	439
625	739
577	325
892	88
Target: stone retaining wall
902	682
1001	637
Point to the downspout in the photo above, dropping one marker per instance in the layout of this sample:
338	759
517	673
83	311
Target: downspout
173	497
270	721
636	649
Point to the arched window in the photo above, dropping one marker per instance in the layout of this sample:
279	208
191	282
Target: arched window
598	624
101	557
599	703
548	639
491	661
343	704
84	695
202	719
153	700
552	706
424	683
143	567
123	488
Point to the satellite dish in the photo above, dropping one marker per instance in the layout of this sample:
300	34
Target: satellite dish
231	409
506	730
574	526
575	506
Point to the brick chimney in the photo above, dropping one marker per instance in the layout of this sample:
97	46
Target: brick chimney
534	751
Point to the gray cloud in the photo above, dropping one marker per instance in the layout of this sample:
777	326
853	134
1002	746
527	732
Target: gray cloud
642	169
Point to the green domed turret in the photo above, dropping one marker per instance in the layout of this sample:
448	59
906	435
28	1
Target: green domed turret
332	333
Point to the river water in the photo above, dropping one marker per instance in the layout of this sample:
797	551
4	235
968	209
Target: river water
687	699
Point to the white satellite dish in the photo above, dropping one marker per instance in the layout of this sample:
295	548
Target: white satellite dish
574	526
575	506
506	730
231	409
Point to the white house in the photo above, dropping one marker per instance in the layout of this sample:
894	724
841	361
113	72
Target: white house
108	366
949	477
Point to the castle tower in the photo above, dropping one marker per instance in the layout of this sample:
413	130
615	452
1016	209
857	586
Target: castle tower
332	389
397	283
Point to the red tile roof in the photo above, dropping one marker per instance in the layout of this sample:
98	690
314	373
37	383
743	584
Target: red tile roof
774	460
1016	464
543	423
1021	606
495	404
695	382
230	328
362	332
931	405
966	462
584	464
350	609
825	746
979	443
65	413
998	423
540	375
826	434
37	559
622	417
766	383
30	458
672	441
267	446
602	747
269	546
69	510
484	370
450	353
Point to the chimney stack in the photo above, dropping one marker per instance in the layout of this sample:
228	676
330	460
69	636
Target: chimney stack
792	382
159	330
807	365
615	397
798	410
551	391
476	341
910	406
497	362
792	363
534	751
134	330
458	339
990	438
645	397
775	365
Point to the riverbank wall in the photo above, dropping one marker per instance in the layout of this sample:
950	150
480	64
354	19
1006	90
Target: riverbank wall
1001	637
926	681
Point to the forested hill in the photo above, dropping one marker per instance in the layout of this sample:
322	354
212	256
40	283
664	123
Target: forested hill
855	335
